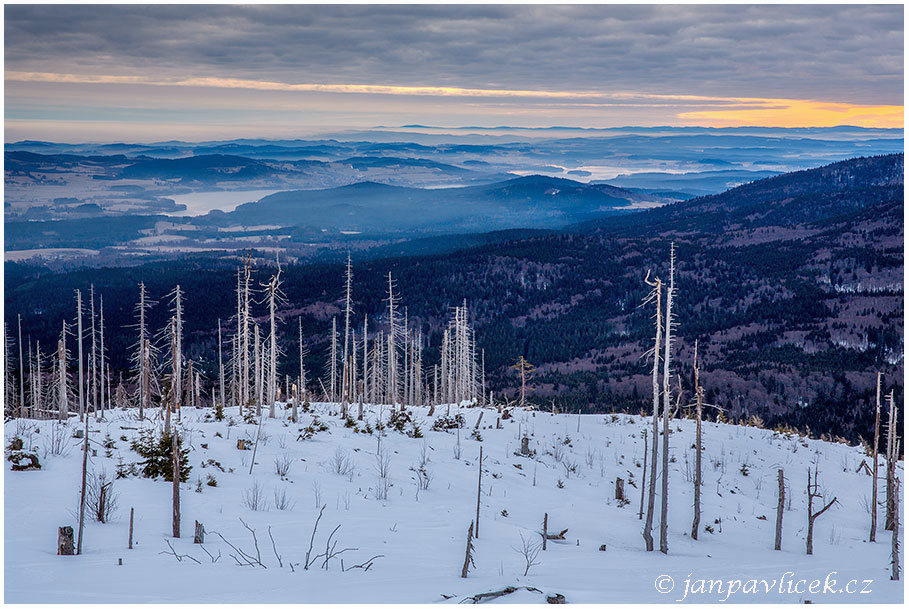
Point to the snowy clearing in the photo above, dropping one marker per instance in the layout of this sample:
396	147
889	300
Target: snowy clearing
420	534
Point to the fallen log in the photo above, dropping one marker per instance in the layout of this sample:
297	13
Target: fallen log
484	596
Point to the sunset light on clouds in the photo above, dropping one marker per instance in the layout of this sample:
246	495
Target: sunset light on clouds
230	70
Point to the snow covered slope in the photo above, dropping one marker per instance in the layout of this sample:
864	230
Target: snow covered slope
420	534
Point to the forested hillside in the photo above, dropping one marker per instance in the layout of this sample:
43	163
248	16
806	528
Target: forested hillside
792	285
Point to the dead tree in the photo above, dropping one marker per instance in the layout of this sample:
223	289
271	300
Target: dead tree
82	493
22	371
814	493
175	449
392	362
892	450
275	297
81	374
877	439
525	370
545	531
699	398
468	555
221	365
101	352
62	357
664	497
780	502
643	476
142	356
476	530
93	367
654	296
132	512
345	372
895	539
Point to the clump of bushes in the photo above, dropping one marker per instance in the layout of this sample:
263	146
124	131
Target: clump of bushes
446	423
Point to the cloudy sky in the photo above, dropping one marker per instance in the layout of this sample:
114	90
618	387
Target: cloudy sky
145	73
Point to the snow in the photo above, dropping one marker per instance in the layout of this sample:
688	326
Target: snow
48	252
421	534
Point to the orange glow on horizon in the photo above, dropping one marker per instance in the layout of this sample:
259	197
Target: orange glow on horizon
716	111
798	113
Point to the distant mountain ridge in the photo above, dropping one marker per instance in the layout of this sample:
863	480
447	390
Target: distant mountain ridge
533	201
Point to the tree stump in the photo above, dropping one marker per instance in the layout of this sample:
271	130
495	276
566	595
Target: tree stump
199	536
241	444
525	446
65	545
619	489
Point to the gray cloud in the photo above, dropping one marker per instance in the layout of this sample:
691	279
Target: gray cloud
843	53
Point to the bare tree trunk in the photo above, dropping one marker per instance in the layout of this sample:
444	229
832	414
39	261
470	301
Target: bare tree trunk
643	476
699	394
345	373
81	375
220	364
101	354
780	502
813	493
93	369
131	515
877	439
82	493
545	529
176	476
664	497
895	539
476	530
656	296
891	463
62	400
334	360
468	555
22	371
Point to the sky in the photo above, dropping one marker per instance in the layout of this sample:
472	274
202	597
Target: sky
199	72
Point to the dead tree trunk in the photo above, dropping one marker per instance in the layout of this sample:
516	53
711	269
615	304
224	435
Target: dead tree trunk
699	395
780	502
82	494
877	439
476	531
468	555
199	535
131	515
65	541
176	475
620	489
895	540
664	496
643	477
654	296
813	493
892	450
545	531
